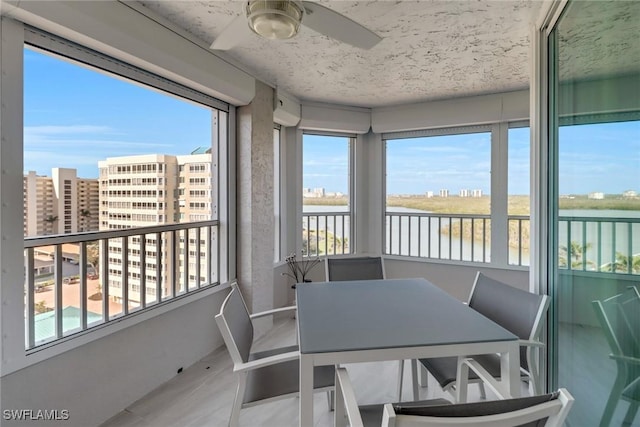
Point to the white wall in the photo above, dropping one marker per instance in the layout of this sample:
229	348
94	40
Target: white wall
97	380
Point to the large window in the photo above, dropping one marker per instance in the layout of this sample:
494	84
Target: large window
326	181
438	195
129	160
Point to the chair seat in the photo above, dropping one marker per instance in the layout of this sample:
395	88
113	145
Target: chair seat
445	369
372	414
282	378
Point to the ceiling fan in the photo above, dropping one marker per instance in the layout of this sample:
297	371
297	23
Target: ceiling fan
281	19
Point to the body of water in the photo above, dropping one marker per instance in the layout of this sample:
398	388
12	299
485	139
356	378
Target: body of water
610	232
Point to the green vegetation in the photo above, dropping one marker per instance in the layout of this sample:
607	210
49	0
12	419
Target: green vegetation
518	205
314	245
610	202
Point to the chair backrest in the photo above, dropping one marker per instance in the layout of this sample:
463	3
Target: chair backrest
619	317
536	411
354	268
516	310
235	326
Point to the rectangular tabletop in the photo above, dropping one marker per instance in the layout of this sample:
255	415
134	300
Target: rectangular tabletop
390	313
392	319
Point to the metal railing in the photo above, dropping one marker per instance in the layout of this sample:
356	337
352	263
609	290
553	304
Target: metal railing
77	281
326	233
435	236
585	243
599	244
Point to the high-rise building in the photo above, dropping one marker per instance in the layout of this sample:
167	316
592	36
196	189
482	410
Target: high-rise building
60	204
147	190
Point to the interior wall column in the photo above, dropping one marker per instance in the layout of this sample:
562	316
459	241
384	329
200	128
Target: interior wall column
255	202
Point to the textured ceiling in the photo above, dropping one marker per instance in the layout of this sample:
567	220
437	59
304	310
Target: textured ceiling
430	49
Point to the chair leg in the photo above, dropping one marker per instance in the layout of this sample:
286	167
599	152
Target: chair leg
234	419
330	399
483	392
612	402
400	377
424	376
414	379
631	413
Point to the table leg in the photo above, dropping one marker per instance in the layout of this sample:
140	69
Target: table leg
510	370
306	390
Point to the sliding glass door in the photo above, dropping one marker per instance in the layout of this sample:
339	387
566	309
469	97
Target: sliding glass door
594	248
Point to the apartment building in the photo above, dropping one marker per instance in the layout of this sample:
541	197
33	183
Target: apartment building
60	204
149	190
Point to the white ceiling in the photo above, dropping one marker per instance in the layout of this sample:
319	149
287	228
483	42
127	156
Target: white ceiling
430	49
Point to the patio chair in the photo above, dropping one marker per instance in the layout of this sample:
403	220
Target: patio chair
548	410
518	311
619	317
354	268
267	375
360	268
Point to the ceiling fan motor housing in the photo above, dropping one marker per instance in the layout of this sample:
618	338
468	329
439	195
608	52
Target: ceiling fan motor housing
275	19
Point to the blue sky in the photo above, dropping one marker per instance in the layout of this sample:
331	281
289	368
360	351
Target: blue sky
75	117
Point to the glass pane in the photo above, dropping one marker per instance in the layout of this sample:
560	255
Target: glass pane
325	195
438	200
518	195
104	154
596	261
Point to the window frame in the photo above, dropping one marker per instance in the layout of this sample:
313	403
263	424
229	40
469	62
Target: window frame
18	37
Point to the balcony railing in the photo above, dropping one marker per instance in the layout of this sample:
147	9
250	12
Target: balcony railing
585	243
599	244
326	233
74	282
448	236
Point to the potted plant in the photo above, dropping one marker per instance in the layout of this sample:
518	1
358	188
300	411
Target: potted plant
299	270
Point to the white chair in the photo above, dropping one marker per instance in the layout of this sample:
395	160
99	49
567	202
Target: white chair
518	311
549	410
619	317
262	376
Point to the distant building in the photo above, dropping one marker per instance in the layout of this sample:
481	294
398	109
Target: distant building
60	204
596	195
476	193
630	194
154	189
465	193
444	193
313	192
429	194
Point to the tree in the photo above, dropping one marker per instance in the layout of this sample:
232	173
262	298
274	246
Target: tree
622	263
576	251
51	219
84	214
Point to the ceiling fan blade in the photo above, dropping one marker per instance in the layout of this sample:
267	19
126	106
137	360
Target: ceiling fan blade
337	26
233	34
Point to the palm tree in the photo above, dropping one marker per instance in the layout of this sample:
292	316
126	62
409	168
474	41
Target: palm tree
84	214
577	251
622	263
51	219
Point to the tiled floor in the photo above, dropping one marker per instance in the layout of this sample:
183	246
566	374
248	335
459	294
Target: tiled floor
202	395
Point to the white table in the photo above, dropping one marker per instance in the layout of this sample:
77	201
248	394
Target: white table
392	319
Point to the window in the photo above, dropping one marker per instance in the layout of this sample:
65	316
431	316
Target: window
96	136
438	194
326	181
519	182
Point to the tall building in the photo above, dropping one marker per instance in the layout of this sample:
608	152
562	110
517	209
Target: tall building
147	190
60	204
